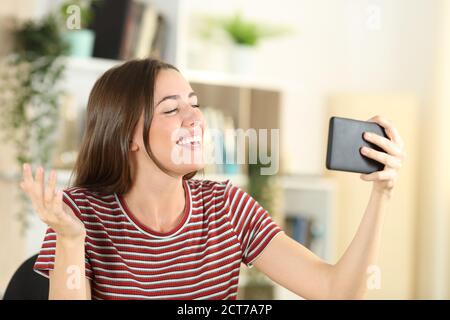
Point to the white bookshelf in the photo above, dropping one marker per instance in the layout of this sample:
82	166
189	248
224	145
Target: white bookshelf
89	69
236	80
313	197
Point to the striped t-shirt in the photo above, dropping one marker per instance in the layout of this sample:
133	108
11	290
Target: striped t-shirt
200	258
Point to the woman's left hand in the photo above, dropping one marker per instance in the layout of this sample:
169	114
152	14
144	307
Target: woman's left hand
392	158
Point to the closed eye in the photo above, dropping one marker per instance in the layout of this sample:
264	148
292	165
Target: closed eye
171	111
176	109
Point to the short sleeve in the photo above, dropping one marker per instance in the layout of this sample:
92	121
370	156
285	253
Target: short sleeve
46	258
253	225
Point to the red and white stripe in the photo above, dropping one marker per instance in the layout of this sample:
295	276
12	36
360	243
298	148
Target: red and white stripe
222	226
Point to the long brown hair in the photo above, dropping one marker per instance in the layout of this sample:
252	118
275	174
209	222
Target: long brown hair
115	105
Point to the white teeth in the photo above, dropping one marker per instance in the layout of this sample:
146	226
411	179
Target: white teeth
188	140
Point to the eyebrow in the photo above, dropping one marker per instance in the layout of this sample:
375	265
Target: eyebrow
175	97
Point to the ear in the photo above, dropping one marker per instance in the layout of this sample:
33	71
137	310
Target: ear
134	146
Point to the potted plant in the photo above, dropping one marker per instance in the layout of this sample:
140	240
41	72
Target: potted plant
76	16
245	36
29	95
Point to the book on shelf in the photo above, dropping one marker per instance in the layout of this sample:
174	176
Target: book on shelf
108	36
147	32
139	30
159	42
300	228
221	143
132	24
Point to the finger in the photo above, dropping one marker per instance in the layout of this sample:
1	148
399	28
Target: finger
50	188
28	186
39	176
381	157
379	175
35	202
25	188
391	131
385	144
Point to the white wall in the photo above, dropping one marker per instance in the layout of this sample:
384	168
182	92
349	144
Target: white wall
22	9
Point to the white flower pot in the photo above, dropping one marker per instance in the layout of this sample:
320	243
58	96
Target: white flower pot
242	60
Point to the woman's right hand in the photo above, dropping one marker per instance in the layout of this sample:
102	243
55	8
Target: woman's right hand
49	204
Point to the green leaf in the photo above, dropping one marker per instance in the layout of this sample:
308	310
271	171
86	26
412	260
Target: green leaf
242	31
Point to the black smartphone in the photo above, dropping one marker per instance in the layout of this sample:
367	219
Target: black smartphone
345	139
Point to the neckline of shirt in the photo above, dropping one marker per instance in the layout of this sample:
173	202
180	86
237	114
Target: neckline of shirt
153	233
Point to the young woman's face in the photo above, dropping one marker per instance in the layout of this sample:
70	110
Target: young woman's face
176	131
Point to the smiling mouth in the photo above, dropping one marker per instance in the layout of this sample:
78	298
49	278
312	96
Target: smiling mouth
190	141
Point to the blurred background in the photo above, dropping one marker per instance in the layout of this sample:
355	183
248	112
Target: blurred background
286	64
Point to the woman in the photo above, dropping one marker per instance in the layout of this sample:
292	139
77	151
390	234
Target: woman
135	225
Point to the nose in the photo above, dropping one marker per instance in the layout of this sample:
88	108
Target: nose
193	117
194	123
